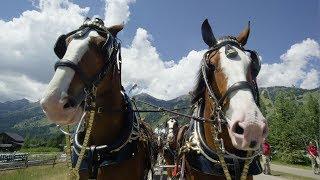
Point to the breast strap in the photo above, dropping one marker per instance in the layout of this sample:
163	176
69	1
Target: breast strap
207	161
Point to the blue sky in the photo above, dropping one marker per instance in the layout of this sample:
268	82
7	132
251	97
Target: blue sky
175	25
162	43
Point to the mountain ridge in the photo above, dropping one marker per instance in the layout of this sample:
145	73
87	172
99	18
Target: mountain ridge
27	118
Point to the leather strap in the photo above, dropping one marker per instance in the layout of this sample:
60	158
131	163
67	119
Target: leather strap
75	67
235	87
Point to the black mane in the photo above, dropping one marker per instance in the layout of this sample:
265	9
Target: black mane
200	86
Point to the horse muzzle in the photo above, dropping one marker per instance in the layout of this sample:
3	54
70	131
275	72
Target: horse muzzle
59	108
248	135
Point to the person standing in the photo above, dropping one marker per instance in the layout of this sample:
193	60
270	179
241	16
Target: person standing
266	152
313	155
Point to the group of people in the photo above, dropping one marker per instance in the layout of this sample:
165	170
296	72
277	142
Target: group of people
312	152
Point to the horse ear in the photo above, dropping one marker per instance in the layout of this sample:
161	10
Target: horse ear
244	35
115	29
207	34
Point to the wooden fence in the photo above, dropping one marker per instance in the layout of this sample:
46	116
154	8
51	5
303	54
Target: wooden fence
24	160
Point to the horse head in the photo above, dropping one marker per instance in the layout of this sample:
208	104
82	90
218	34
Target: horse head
87	57
172	128
227	83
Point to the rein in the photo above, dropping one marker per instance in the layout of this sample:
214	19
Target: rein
90	105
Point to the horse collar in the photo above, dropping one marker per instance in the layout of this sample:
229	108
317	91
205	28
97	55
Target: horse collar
202	158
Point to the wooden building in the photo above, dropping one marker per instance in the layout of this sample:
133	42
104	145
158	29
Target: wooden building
10	142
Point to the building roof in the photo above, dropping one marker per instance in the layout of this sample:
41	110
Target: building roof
14	136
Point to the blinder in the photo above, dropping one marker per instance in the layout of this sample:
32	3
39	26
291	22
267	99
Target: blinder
60	46
255	62
255	66
228	42
109	50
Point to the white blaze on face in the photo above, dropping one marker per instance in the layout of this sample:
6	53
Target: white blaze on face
235	70
170	124
247	126
54	97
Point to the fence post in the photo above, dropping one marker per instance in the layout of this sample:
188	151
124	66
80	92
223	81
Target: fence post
26	161
54	161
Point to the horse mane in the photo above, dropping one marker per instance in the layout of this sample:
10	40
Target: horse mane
199	88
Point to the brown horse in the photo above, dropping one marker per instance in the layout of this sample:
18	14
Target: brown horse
226	96
119	146
173	141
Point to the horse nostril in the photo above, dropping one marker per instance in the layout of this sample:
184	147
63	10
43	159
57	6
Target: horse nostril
265	131
70	103
253	144
238	129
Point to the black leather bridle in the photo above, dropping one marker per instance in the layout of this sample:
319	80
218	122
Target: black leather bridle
110	49
219	102
218	113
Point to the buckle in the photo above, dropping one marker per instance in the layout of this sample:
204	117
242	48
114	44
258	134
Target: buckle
100	110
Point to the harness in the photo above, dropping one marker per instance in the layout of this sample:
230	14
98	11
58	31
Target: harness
203	159
221	162
80	156
124	148
110	49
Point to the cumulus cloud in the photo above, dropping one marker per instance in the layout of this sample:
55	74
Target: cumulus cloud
26	43
311	80
18	86
117	11
162	79
27	57
293	67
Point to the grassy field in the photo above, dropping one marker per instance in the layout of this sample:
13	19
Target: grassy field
59	172
47	172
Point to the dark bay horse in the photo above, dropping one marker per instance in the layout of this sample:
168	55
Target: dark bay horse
173	140
86	89
227	144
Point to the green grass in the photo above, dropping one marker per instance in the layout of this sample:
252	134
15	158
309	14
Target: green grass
289	176
59	171
40	150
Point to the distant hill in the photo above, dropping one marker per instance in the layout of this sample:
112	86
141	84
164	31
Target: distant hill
26	118
297	91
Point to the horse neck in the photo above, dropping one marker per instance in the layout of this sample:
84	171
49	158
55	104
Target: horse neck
108	124
208	110
173	144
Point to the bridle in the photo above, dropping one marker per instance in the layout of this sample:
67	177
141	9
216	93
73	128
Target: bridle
87	97
218	103
197	140
110	49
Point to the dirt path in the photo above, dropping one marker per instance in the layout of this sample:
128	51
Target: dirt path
284	169
267	177
295	171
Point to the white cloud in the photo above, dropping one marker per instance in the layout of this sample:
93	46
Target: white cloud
165	80
27	44
293	67
117	11
18	86
311	81
27	56
27	41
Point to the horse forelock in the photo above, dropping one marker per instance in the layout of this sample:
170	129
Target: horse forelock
215	79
